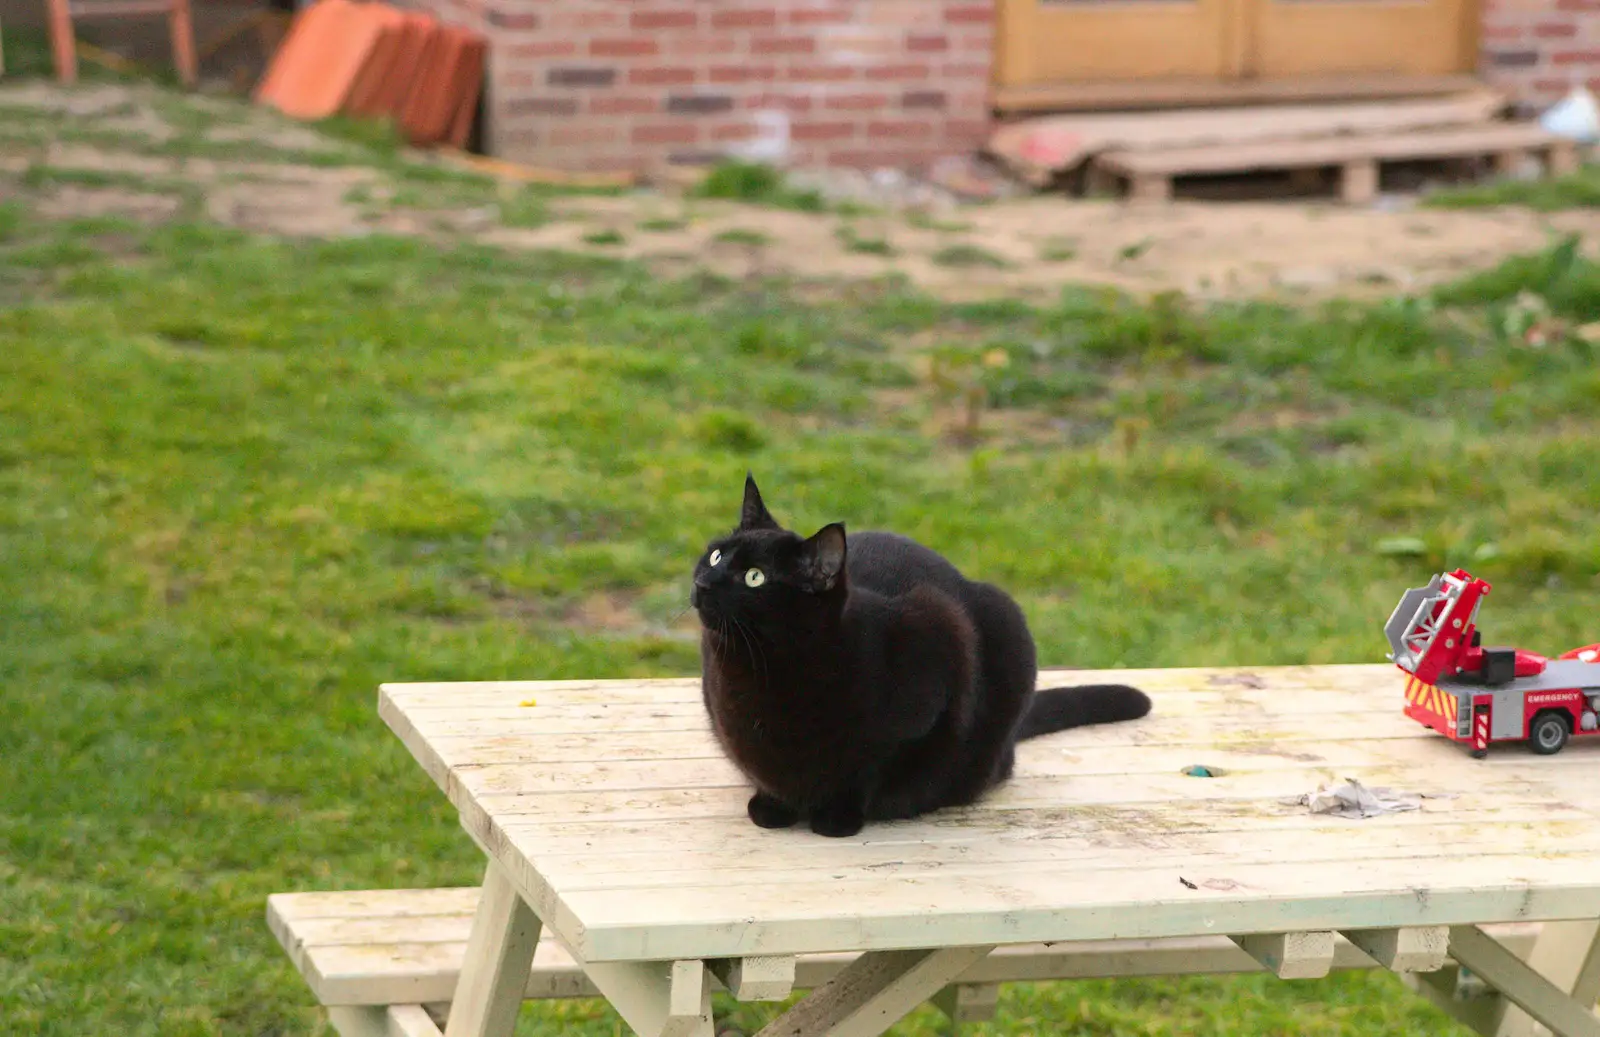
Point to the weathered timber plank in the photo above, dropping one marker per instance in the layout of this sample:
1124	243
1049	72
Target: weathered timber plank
769	978
1520	984
797	918
1170	93
1331	151
1305	955
1567	954
366	957
1404	950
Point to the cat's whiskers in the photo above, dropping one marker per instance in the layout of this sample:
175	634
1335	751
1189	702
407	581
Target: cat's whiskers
753	643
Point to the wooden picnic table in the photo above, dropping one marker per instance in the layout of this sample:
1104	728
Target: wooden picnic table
612	822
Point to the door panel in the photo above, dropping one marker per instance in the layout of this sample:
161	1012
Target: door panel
1042	41
1087	41
1320	37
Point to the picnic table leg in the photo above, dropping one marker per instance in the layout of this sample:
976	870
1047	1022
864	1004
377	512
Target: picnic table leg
494	974
873	992
657	998
1568	954
1516	980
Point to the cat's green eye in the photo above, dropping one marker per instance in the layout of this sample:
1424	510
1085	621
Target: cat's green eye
754	578
716	556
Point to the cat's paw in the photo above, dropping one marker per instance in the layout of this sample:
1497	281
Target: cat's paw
767	812
837	823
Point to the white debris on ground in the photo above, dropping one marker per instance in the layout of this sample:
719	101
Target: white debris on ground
947	183
1351	799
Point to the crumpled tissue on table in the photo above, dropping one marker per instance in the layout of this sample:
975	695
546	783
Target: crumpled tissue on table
1352	799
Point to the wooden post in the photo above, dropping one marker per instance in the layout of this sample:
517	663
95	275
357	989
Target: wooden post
756	979
968	1002
1443	988
494	974
657	998
183	56
1563	158
873	992
1404	950
1150	188
1358	183
1291	955
1520	984
1567	954
62	41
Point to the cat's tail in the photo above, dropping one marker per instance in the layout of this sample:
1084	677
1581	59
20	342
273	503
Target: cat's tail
1056	709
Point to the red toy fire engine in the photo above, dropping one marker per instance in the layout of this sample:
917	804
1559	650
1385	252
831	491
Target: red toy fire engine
1478	695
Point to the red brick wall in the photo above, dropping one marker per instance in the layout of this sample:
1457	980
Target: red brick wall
633	84
1537	49
636	83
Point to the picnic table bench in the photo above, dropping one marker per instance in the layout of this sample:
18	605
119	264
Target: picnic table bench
620	863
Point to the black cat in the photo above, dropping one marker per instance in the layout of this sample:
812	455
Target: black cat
878	687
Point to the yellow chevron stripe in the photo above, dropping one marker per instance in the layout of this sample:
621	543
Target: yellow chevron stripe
1431	697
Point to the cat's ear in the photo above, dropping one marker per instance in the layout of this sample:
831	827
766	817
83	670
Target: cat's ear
822	560
754	514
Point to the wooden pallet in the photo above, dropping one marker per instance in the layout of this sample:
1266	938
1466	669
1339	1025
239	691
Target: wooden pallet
1150	174
1130	95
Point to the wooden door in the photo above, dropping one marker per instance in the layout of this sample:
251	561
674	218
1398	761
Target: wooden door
1289	38
1076	41
1233	45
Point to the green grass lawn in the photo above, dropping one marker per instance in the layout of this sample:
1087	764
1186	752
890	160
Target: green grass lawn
1579	190
243	481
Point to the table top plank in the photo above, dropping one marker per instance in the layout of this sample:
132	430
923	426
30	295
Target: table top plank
1226	807
1240	683
1040	759
981	860
474	706
624	825
1141	756
1039	905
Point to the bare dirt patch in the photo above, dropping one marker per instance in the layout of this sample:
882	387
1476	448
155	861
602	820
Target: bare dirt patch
284	138
1033	247
289	209
96	100
79	202
1029	247
93	159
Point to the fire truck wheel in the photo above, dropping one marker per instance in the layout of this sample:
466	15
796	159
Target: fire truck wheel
1548	734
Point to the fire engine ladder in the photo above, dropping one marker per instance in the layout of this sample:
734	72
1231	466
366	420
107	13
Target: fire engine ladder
1418	618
